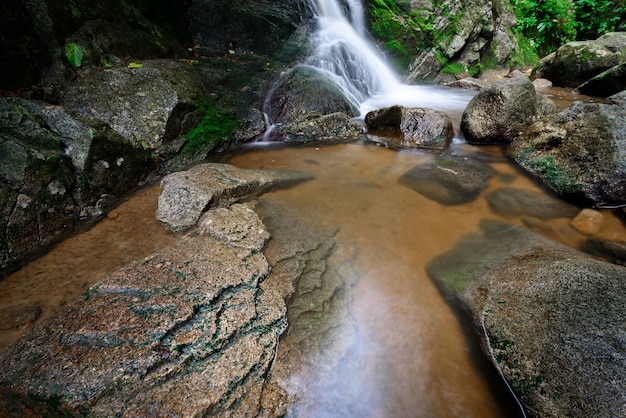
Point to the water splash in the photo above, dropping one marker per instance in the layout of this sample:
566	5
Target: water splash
343	51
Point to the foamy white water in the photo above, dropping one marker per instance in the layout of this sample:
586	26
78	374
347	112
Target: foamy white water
343	51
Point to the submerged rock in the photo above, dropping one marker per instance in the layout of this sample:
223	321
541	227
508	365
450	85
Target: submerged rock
449	180
551	318
613	251
511	202
185	195
401	127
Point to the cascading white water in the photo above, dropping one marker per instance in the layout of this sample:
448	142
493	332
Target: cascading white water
342	50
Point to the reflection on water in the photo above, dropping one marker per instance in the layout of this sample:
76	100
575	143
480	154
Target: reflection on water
408	356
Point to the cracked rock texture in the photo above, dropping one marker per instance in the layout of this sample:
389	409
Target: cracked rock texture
189	331
194	329
185	195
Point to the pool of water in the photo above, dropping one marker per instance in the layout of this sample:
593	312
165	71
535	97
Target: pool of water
409	356
412	358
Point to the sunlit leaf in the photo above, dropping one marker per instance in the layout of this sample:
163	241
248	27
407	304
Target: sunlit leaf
135	65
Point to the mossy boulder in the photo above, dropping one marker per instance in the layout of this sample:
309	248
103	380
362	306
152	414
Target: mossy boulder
576	62
578	152
56	169
305	90
549	318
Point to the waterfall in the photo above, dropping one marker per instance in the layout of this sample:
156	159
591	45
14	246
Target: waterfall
342	50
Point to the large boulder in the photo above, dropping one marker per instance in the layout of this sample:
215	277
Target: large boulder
511	202
56	169
550	318
501	112
152	105
305	90
576	62
578	152
188	331
186	195
401	127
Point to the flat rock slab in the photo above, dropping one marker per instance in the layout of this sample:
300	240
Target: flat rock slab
448	180
188	331
552	318
185	195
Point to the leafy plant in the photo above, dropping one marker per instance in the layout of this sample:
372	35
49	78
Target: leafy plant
216	124
74	54
596	17
550	23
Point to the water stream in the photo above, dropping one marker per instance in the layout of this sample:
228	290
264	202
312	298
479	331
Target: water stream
412	358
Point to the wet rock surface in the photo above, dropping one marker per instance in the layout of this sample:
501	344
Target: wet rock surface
315	271
552	318
335	127
578	151
306	90
501	111
449	180
401	127
194	328
509	202
187	194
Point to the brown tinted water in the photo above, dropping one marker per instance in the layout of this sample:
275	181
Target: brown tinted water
416	358
415	352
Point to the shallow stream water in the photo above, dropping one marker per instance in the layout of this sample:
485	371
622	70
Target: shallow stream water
414	358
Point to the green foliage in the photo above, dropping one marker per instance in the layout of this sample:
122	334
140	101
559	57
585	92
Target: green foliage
397	31
454	68
550	23
74	54
553	174
216	124
596	17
